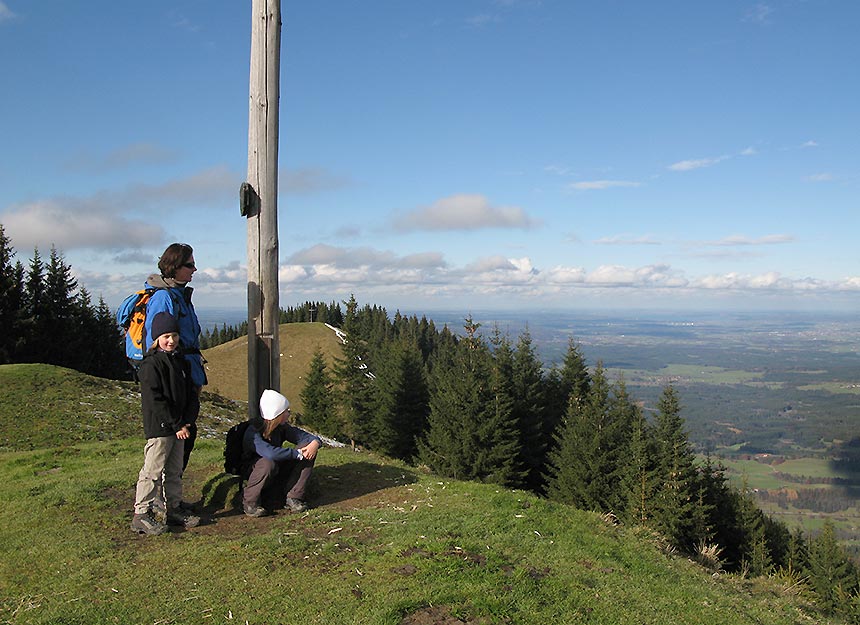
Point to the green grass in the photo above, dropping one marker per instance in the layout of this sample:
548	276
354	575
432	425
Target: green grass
399	542
42	406
383	541
228	363
686	374
762	475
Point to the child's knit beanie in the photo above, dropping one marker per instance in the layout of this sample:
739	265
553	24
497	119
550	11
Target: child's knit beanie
163	323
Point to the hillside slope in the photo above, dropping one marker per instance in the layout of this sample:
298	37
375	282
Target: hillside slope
227	366
384	543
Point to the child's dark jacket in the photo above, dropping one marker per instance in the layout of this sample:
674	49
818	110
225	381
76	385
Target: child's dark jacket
168	398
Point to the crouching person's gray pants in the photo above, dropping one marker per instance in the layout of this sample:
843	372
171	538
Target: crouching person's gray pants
269	482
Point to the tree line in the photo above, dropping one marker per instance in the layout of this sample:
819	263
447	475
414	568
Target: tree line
486	409
46	317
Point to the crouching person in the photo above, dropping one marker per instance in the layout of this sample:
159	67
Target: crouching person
169	404
276	476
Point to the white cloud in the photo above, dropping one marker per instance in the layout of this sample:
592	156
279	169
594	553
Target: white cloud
482	19
599	185
741	240
823	177
700	163
734	281
651	275
5	12
322	254
759	13
559	170
423	260
627	240
464	212
490	264
326	271
810	144
72	224
750	151
113	219
311	180
121	158
518	277
215	185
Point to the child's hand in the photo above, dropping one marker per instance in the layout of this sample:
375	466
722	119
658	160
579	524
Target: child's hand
183	433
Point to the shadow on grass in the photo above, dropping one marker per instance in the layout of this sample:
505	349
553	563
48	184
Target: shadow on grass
221	494
845	465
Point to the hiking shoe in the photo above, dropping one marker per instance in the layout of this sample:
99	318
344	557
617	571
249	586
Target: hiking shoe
178	517
254	511
145	524
295	505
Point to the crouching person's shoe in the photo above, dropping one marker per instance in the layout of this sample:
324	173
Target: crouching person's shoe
254	511
146	524
181	518
295	505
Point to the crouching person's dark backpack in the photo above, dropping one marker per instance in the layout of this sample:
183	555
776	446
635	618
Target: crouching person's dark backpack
233	448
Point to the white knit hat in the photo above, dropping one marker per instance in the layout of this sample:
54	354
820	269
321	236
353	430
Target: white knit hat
272	404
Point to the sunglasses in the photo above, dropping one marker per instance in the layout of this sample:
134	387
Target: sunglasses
189	265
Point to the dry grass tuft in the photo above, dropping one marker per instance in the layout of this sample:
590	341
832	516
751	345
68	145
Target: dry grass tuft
709	556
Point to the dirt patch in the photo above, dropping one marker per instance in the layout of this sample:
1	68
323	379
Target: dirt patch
439	615
406	569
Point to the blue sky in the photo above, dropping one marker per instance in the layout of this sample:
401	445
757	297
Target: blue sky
466	154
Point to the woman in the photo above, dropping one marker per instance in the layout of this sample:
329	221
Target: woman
272	470
173	296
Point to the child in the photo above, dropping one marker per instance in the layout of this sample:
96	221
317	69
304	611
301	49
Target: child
169	404
272	470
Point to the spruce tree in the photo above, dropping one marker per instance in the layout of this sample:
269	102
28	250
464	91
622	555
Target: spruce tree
402	400
471	431
616	444
18	305
110	359
355	387
570	463
9	300
578	465
831	573
575	381
34	345
530	411
675	502
320	408
58	321
572	380
638	480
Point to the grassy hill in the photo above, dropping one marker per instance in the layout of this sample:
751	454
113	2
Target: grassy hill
384	543
227	368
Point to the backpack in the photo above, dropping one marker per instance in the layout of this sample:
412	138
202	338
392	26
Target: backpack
233	448
131	316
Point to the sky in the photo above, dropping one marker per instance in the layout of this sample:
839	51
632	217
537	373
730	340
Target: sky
448	155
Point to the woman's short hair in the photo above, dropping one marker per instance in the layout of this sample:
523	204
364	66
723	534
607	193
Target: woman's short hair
176	255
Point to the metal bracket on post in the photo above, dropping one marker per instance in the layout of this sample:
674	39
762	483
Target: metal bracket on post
246	199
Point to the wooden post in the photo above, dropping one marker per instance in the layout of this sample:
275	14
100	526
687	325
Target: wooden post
260	202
